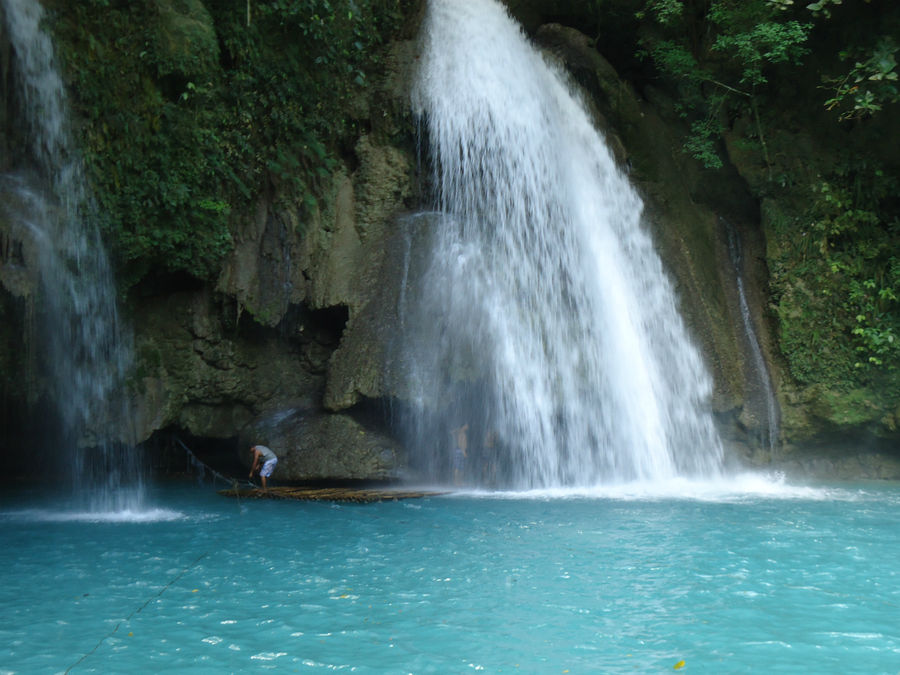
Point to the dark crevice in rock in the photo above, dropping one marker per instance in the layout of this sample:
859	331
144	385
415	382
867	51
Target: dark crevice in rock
11	250
329	324
227	61
164	282
382	416
300	324
173	85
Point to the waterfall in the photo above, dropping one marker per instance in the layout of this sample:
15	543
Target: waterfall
760	371
543	323
84	351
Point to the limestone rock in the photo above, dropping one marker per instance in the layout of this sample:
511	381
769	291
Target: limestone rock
313	446
264	271
367	254
196	374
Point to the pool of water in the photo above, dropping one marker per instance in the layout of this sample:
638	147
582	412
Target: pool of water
758	577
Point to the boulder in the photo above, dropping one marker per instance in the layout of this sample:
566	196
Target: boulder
332	447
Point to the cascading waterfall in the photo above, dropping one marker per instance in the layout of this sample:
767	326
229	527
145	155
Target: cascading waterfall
85	355
543	318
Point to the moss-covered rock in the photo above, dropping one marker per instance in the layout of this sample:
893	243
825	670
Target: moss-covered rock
185	39
829	261
292	320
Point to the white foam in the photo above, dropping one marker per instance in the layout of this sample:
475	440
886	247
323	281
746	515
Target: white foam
737	488
153	515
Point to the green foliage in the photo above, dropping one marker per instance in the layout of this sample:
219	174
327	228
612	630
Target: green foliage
718	54
676	60
150	141
702	143
664	11
869	85
835	274
857	233
820	7
834	266
184	40
190	110
756	39
836	280
733	45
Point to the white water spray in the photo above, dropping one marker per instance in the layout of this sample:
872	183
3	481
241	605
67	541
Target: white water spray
86	358
544	319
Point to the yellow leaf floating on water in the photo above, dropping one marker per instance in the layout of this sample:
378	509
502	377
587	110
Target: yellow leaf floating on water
679	665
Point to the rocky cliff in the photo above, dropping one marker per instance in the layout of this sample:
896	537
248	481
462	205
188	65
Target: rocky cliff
285	340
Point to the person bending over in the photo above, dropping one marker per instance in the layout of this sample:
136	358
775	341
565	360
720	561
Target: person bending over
264	460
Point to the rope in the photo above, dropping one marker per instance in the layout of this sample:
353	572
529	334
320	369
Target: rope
231	481
234	484
137	611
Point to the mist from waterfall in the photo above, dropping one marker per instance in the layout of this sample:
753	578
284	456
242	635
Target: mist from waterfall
541	316
85	356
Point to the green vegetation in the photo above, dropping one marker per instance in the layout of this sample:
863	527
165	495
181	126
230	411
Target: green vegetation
839	279
870	84
766	75
719	55
190	110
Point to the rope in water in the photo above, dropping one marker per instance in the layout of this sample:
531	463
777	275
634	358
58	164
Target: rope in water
231	481
137	611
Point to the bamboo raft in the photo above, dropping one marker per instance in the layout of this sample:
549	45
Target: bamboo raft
330	494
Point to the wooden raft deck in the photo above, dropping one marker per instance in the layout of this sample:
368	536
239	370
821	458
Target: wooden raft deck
333	494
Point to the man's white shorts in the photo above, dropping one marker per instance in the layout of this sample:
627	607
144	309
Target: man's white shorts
268	468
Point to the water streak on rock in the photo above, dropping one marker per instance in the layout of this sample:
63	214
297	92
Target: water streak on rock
760	370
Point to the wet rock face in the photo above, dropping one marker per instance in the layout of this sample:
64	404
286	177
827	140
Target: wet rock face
294	311
834	463
312	446
202	368
263	334
299	315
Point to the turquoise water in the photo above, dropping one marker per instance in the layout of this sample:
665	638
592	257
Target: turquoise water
756	578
